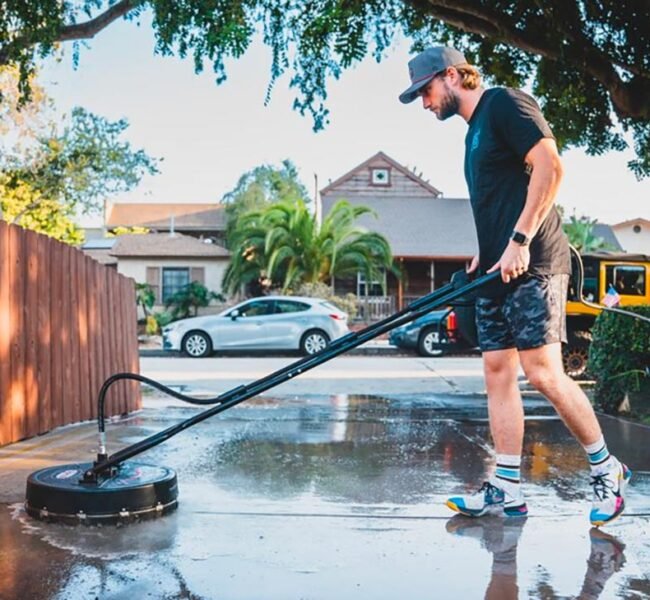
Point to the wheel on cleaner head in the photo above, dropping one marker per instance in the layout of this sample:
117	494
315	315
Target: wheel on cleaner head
313	341
197	344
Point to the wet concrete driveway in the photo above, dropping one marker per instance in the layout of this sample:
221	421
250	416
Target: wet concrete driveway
336	497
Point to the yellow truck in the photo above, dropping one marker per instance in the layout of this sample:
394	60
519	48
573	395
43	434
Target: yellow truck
626	274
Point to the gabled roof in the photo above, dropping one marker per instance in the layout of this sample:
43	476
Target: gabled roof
393	163
415	227
637	221
609	237
165	245
158	216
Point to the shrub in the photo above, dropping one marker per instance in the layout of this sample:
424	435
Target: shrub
619	356
347	303
163	318
151	326
188	300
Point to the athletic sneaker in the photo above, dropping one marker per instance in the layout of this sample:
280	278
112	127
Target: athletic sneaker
609	492
479	503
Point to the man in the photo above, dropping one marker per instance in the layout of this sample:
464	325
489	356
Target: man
513	172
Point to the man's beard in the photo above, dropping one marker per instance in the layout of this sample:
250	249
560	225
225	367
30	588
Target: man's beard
449	105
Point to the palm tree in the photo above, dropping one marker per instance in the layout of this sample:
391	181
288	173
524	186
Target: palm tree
282	246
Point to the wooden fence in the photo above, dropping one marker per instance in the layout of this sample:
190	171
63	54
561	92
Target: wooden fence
66	324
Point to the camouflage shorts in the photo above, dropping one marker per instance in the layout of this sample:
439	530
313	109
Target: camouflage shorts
533	314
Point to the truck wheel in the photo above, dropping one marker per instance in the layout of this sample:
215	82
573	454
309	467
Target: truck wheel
429	342
575	354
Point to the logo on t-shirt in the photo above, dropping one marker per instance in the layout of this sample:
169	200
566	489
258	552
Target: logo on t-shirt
475	141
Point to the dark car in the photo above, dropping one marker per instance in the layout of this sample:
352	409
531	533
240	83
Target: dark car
446	331
438	332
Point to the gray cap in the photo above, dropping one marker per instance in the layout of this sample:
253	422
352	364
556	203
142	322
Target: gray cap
426	65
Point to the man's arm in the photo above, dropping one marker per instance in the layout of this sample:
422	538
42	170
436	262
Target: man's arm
544	182
544	160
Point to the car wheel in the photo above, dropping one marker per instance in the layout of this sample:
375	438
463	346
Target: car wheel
197	344
429	342
314	341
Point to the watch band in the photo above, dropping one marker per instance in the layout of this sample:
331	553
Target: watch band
519	238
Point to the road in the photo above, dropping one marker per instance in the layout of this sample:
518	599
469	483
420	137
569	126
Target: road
344	374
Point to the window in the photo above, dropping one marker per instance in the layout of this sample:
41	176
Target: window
174	279
256	308
380	176
628	280
372	288
290	306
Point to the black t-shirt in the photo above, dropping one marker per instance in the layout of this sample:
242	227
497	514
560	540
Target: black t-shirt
505	125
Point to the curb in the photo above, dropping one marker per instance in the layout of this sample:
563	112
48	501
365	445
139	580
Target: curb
367	351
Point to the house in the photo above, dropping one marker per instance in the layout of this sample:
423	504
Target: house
100	249
170	261
431	236
196	220
634	235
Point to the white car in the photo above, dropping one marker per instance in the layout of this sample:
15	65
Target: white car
270	322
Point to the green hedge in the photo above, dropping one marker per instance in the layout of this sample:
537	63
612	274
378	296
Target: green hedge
619	357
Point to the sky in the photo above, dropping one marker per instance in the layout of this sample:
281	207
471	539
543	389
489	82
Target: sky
209	135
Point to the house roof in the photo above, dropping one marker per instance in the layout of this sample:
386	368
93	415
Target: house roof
99	244
158	216
607	234
393	163
418	227
165	245
637	221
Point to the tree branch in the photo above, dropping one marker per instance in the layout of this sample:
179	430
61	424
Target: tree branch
77	31
82	31
628	98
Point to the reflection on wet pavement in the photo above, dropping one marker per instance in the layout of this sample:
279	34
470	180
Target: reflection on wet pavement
343	496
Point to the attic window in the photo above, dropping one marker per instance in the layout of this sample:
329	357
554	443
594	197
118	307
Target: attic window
380	176
636	229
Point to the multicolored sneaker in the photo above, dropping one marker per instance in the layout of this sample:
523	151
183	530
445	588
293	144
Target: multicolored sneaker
477	504
609	492
515	507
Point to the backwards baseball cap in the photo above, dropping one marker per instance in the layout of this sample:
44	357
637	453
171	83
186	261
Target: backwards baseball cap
426	65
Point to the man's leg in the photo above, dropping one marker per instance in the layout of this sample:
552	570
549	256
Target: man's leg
506	416
505	408
544	370
609	477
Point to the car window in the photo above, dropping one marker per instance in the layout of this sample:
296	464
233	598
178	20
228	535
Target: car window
626	279
256	308
290	306
330	306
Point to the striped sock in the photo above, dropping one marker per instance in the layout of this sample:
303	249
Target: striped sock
508	473
597	453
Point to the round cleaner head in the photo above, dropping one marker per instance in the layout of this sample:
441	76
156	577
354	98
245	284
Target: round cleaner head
133	492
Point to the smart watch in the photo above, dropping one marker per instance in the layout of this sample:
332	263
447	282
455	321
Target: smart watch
519	238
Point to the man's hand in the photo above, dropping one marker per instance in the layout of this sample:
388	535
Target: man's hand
473	265
513	262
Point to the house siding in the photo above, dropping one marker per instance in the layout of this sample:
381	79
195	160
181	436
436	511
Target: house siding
359	184
634	242
143	270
